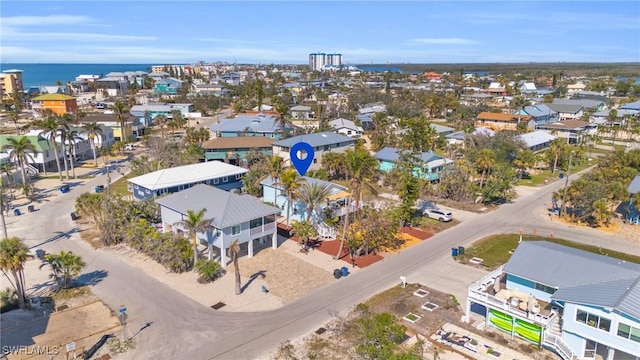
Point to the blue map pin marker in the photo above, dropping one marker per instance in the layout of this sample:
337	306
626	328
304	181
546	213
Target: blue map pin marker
302	165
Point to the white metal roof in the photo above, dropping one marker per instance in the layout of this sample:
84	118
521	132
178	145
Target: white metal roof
186	174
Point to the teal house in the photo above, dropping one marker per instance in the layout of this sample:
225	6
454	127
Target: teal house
168	86
432	164
633	189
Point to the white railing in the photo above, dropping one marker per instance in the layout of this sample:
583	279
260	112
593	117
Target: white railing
503	305
558	345
32	170
325	231
487	281
341	211
260	229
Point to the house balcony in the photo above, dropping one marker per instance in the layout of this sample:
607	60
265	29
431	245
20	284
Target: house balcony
489	291
258	230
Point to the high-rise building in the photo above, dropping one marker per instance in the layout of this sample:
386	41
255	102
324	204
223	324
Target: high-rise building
318	60
10	81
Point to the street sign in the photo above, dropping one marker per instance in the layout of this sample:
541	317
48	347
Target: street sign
123	310
71	346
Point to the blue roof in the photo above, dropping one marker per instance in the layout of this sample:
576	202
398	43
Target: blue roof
316	139
392	155
634	187
259	123
631	106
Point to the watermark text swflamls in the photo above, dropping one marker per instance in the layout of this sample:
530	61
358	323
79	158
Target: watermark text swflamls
30	350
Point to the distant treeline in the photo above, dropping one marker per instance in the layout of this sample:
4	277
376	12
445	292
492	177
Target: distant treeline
570	69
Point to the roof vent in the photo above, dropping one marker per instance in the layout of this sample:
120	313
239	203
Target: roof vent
324	135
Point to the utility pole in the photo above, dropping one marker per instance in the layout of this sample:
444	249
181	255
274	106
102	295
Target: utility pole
566	183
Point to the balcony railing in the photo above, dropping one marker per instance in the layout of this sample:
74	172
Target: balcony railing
555	342
341	211
260	229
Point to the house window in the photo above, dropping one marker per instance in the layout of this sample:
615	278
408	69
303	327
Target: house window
225	179
215	181
545	288
239	176
235	230
629	332
315	161
255	223
593	320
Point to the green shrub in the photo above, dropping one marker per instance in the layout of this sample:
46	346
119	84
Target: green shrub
209	270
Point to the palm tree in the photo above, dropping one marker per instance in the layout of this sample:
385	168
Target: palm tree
13	254
362	170
72	138
524	160
556	148
274	163
485	160
121	111
93	130
50	130
234	253
64	131
291	183
21	150
195	223
312	195
304	230
160	121
65	266
3	223
14	115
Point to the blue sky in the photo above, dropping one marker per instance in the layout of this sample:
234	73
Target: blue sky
287	31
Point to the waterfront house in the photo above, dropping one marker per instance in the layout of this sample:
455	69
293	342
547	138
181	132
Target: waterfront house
429	168
58	103
166	181
500	122
260	124
572	130
234	217
114	86
579	304
234	150
321	142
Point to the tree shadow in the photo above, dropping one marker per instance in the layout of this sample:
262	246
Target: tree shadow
92	278
58	235
262	274
142	328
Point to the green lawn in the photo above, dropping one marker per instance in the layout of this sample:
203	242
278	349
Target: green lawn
539	179
494	250
119	187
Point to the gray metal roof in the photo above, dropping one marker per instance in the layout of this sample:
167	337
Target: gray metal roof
392	155
226	209
259	123
441	128
335	188
536	138
634	187
586	103
538	110
565	108
631	106
580	276
317	139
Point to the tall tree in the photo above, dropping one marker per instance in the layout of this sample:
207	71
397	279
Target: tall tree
13	254
161	122
21	151
51	130
313	194
121	111
93	131
291	184
234	254
525	159
304	230
195	222
64	129
485	159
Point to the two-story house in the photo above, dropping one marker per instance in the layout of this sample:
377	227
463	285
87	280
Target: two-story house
168	86
321	142
346	127
567	111
540	113
234	150
58	103
45	157
302	112
500	122
167	181
132	126
572	130
234	217
260	124
587	104
429	168
576	303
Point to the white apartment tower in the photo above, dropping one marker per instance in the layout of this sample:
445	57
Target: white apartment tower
318	60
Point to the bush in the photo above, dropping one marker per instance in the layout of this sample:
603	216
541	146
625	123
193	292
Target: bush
209	271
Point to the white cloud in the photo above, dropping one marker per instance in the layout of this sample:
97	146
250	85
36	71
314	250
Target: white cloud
445	41
45	20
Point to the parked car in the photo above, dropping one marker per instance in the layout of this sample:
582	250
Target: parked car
128	147
438	214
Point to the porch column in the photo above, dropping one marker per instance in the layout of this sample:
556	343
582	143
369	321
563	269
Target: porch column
274	239
250	248
223	254
611	352
467	310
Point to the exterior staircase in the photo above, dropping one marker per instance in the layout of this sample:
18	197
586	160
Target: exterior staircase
553	340
31	170
325	231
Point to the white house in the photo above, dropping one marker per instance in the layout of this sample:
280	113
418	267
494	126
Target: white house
346	127
575	88
45	157
235	217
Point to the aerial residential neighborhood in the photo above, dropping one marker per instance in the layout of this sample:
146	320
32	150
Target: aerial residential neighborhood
427	197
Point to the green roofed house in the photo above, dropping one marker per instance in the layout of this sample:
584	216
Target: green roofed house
430	168
44	159
234	150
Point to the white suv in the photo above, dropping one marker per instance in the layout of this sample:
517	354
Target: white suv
438	214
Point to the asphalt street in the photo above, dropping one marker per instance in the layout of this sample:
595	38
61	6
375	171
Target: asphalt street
184	329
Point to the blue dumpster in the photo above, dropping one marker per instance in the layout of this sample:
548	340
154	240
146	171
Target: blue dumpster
344	271
17	212
40	254
64	189
454	251
561	175
99	188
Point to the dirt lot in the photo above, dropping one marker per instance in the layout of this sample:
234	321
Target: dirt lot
48	335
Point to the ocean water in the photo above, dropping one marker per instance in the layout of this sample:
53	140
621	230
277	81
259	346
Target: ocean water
49	74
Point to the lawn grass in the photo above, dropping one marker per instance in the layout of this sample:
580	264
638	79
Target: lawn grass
539	179
495	250
119	187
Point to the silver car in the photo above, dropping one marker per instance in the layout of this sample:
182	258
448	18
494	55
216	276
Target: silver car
438	214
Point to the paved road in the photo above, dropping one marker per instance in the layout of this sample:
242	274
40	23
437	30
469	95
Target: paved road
184	329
